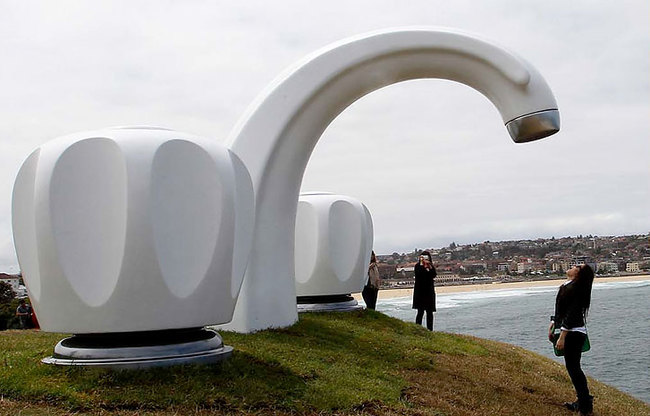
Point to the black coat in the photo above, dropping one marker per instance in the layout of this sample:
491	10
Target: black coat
569	312
424	295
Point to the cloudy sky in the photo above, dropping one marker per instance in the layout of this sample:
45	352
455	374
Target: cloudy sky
431	159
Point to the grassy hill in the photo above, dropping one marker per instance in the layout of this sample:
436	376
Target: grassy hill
334	363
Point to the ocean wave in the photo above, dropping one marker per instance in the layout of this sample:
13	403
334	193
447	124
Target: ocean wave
452	300
621	285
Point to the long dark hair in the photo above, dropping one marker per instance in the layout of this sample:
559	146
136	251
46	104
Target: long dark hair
583	283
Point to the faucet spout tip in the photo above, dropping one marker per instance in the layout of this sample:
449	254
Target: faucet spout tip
534	126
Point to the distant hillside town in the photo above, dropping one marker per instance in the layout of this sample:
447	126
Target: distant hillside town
502	261
507	261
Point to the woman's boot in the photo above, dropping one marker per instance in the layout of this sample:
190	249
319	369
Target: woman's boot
573	406
586	406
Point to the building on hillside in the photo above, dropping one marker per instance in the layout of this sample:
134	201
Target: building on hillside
405	270
607	267
447	267
632	267
474	267
447	276
524	266
559	266
577	260
493	264
12	280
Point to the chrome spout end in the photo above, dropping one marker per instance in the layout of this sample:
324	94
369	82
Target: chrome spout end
534	126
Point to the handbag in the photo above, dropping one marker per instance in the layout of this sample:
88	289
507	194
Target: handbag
586	346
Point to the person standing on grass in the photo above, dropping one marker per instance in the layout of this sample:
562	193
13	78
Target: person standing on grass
571	308
424	294
371	288
24	314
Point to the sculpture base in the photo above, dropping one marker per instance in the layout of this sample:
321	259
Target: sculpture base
131	350
327	303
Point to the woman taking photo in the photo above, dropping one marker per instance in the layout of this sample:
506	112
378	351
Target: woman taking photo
371	288
424	295
571	307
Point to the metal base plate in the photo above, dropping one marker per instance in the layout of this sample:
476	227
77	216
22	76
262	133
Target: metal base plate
140	349
335	303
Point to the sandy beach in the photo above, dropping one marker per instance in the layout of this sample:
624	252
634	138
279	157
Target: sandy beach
401	293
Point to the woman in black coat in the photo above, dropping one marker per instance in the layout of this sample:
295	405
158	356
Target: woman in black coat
371	289
571	307
424	295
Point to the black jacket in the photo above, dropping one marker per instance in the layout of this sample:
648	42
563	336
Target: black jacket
424	295
569	312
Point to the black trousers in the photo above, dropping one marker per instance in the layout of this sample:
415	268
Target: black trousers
572	354
418	318
369	295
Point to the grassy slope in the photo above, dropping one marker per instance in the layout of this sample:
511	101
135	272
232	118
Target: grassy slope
344	363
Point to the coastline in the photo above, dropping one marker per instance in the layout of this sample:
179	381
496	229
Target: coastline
402	293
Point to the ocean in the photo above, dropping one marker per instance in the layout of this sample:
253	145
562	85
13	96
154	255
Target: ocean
618	325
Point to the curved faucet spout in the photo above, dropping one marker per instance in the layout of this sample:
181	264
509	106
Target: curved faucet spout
534	126
277	134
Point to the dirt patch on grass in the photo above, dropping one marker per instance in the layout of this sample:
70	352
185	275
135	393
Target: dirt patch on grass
509	381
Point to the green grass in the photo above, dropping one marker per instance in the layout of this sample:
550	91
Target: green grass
343	363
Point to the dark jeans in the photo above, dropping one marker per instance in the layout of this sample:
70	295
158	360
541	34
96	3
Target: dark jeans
25	322
418	318
572	354
370	296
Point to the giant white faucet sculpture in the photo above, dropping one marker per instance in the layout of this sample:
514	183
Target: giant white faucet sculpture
333	244
277	134
134	239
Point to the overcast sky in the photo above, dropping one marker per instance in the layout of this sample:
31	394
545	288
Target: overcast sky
431	159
